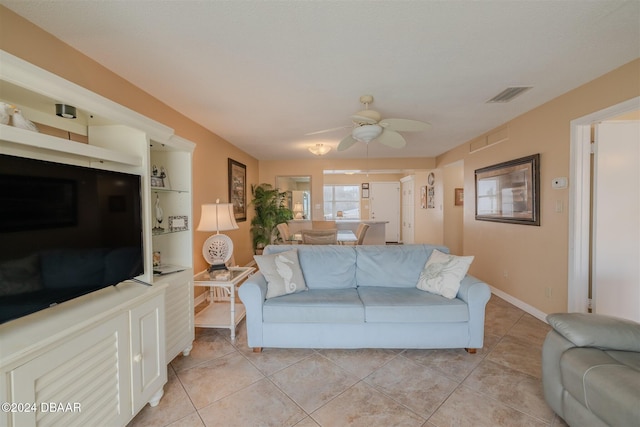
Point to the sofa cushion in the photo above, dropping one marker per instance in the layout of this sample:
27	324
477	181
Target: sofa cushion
324	266
392	266
601	383
282	271
315	306
409	305
442	273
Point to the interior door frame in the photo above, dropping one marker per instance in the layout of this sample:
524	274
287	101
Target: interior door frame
580	200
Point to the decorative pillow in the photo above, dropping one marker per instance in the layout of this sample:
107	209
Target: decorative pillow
283	273
442	273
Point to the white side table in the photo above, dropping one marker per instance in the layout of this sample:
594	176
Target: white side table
223	314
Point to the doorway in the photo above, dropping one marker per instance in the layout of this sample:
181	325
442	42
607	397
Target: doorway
385	206
580	228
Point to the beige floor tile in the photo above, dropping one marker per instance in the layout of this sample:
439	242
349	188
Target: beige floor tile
360	362
415	386
272	360
192	420
218	378
500	317
518	354
530	329
174	405
307	422
269	407
456	364
364	406
520	391
313	381
466	407
209	344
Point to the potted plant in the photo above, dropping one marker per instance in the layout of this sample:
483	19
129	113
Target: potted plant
270	210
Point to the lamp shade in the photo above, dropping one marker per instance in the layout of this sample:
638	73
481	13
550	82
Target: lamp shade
217	217
320	149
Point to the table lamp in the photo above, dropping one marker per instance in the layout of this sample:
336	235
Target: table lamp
218	248
297	209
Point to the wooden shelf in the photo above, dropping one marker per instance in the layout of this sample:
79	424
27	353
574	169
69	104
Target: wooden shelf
52	143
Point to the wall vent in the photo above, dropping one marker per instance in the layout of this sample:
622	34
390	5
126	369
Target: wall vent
508	94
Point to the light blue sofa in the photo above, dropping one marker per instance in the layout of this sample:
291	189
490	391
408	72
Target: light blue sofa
363	297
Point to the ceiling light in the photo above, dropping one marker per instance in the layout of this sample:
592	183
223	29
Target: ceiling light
66	111
320	149
366	133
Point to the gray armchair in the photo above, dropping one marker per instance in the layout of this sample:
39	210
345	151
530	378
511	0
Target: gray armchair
591	369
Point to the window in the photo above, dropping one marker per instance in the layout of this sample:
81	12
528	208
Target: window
341	201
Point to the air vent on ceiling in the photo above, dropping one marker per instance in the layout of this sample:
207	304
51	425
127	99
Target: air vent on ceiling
508	94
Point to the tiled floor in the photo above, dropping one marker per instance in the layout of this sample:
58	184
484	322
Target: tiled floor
221	384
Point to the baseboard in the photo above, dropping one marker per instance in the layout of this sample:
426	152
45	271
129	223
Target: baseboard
520	304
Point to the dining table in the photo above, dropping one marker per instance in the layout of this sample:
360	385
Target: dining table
344	236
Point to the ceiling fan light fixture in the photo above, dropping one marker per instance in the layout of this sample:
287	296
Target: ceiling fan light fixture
319	149
366	133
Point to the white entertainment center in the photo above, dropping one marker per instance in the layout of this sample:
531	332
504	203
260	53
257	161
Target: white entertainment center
99	358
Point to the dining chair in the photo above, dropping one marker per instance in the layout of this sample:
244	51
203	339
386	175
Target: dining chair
285	233
320	237
323	225
361	231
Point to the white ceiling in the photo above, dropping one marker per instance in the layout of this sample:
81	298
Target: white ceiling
262	74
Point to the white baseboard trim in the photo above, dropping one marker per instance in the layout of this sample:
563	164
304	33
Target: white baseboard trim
520	304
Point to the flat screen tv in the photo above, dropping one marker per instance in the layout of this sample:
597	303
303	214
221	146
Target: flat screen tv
65	231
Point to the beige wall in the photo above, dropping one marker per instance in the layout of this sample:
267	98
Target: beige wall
522	260
27	41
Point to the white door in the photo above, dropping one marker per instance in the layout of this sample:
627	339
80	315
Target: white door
408	185
616	267
384	198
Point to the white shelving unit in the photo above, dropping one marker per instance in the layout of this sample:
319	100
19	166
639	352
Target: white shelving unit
159	318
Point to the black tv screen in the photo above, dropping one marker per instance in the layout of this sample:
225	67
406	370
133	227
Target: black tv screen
65	231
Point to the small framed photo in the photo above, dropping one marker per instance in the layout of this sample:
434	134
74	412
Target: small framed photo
178	223
458	199
159	178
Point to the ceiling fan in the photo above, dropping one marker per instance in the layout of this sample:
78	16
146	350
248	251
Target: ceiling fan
368	126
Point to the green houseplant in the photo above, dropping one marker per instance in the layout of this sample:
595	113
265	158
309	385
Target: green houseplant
270	210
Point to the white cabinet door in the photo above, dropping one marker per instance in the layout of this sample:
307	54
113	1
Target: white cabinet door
179	314
84	381
148	366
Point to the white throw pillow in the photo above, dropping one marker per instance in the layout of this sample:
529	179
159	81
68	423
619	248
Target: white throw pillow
442	273
282	272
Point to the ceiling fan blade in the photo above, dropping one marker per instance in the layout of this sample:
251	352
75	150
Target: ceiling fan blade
392	139
404	125
327	130
346	142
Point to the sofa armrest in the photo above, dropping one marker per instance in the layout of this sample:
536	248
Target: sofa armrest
253	293
476	294
595	330
473	290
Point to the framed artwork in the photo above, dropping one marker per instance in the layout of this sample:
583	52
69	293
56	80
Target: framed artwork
458	197
365	190
178	223
159	178
509	191
431	197
423	197
238	189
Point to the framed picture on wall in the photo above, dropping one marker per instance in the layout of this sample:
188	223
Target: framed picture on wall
458	198
423	197
238	189
509	191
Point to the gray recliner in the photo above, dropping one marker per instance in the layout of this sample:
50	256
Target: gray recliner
591	369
